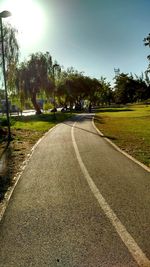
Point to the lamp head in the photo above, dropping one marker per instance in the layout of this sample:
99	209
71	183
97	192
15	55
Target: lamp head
5	14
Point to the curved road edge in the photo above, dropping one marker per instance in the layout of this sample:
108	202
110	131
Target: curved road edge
119	149
8	194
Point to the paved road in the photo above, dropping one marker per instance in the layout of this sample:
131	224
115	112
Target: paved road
79	203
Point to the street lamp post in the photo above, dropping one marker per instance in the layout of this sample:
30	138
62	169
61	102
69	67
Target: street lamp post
5	14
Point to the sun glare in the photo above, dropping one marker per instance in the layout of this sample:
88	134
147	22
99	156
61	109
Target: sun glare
28	18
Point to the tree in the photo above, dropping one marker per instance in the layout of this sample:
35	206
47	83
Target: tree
74	87
105	94
34	76
147	43
124	89
11	52
142	87
70	87
129	89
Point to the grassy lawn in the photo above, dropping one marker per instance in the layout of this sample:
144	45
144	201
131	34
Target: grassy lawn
29	128
129	128
41	123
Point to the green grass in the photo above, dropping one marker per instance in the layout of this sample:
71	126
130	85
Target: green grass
129	128
34	125
40	123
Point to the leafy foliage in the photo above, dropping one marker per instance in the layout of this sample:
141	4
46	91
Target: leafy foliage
11	47
129	89
74	87
34	76
11	53
147	43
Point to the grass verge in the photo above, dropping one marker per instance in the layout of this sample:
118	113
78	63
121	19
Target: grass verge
129	128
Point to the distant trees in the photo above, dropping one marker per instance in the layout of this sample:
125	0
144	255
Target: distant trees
74	88
129	89
124	89
70	87
36	76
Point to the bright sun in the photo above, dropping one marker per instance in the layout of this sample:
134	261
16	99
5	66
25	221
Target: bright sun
28	18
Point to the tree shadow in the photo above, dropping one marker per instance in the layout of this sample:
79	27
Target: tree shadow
33	118
87	118
99	119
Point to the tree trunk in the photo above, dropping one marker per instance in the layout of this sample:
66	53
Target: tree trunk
35	104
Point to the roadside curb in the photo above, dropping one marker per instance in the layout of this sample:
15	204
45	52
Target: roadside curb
119	149
8	194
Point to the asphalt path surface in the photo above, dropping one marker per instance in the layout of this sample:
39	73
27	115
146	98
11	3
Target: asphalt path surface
79	202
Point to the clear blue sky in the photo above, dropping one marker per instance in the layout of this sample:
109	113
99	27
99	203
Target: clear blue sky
95	36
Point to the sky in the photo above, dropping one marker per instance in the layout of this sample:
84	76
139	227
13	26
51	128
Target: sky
93	36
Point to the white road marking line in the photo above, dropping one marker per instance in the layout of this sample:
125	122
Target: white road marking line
127	239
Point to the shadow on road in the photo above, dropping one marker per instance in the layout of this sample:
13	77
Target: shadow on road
83	118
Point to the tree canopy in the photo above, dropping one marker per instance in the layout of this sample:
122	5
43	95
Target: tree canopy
129	89
35	75
40	74
11	53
